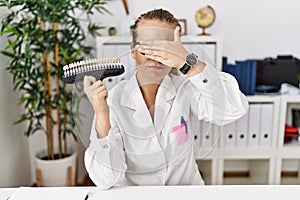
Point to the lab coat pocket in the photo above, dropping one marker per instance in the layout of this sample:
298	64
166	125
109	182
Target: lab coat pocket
181	133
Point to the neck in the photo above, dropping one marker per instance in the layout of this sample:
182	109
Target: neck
146	79
149	92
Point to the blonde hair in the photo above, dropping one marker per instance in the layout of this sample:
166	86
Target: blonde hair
156	14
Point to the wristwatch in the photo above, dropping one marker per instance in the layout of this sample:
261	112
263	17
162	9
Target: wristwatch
190	60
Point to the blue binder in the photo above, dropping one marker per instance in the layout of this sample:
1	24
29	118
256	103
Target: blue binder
245	74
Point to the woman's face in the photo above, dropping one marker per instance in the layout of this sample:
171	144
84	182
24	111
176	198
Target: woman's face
149	69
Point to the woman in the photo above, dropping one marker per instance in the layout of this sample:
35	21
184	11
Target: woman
143	129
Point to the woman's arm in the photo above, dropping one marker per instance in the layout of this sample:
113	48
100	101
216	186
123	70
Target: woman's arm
216	97
105	157
97	94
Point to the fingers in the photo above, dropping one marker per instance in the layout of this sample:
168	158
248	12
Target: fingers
177	34
97	84
93	88
156	58
100	90
89	80
153	52
157	55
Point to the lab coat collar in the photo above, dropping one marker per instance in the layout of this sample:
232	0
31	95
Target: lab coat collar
132	98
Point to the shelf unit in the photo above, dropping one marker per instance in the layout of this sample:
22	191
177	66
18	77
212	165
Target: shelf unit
236	162
288	161
277	164
242	164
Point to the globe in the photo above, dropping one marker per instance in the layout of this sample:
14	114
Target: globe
205	17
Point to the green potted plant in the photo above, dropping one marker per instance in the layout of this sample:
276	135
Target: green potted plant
43	36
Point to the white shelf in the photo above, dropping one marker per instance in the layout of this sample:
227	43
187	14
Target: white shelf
207	153
290	98
288	171
290	152
263	98
256	171
290	181
274	156
247	153
287	101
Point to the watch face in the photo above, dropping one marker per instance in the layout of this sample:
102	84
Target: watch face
192	60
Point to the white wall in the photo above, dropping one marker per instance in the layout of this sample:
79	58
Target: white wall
14	156
250	29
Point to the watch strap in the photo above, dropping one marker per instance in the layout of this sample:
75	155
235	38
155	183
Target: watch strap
185	68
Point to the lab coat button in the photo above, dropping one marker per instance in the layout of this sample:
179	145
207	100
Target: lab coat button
204	80
105	146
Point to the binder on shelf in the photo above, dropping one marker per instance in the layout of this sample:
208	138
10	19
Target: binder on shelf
197	138
245	74
224	62
253	65
229	135
230	69
241	131
254	124
238	76
248	76
266	128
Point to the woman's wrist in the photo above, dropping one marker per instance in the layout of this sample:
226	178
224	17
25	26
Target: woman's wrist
197	69
102	124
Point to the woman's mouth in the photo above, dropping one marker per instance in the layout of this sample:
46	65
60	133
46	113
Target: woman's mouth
155	67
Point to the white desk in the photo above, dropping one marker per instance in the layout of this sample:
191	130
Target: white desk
266	192
6	192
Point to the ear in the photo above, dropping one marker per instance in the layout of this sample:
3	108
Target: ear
132	51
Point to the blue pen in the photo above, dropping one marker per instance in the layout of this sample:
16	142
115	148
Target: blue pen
185	125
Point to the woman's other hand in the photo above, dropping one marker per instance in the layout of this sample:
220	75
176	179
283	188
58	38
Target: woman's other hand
170	53
96	93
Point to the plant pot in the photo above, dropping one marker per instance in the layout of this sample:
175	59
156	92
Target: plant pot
60	172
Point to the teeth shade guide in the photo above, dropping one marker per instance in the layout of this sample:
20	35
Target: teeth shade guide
99	68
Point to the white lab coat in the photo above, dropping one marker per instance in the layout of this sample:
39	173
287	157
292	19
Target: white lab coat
139	151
